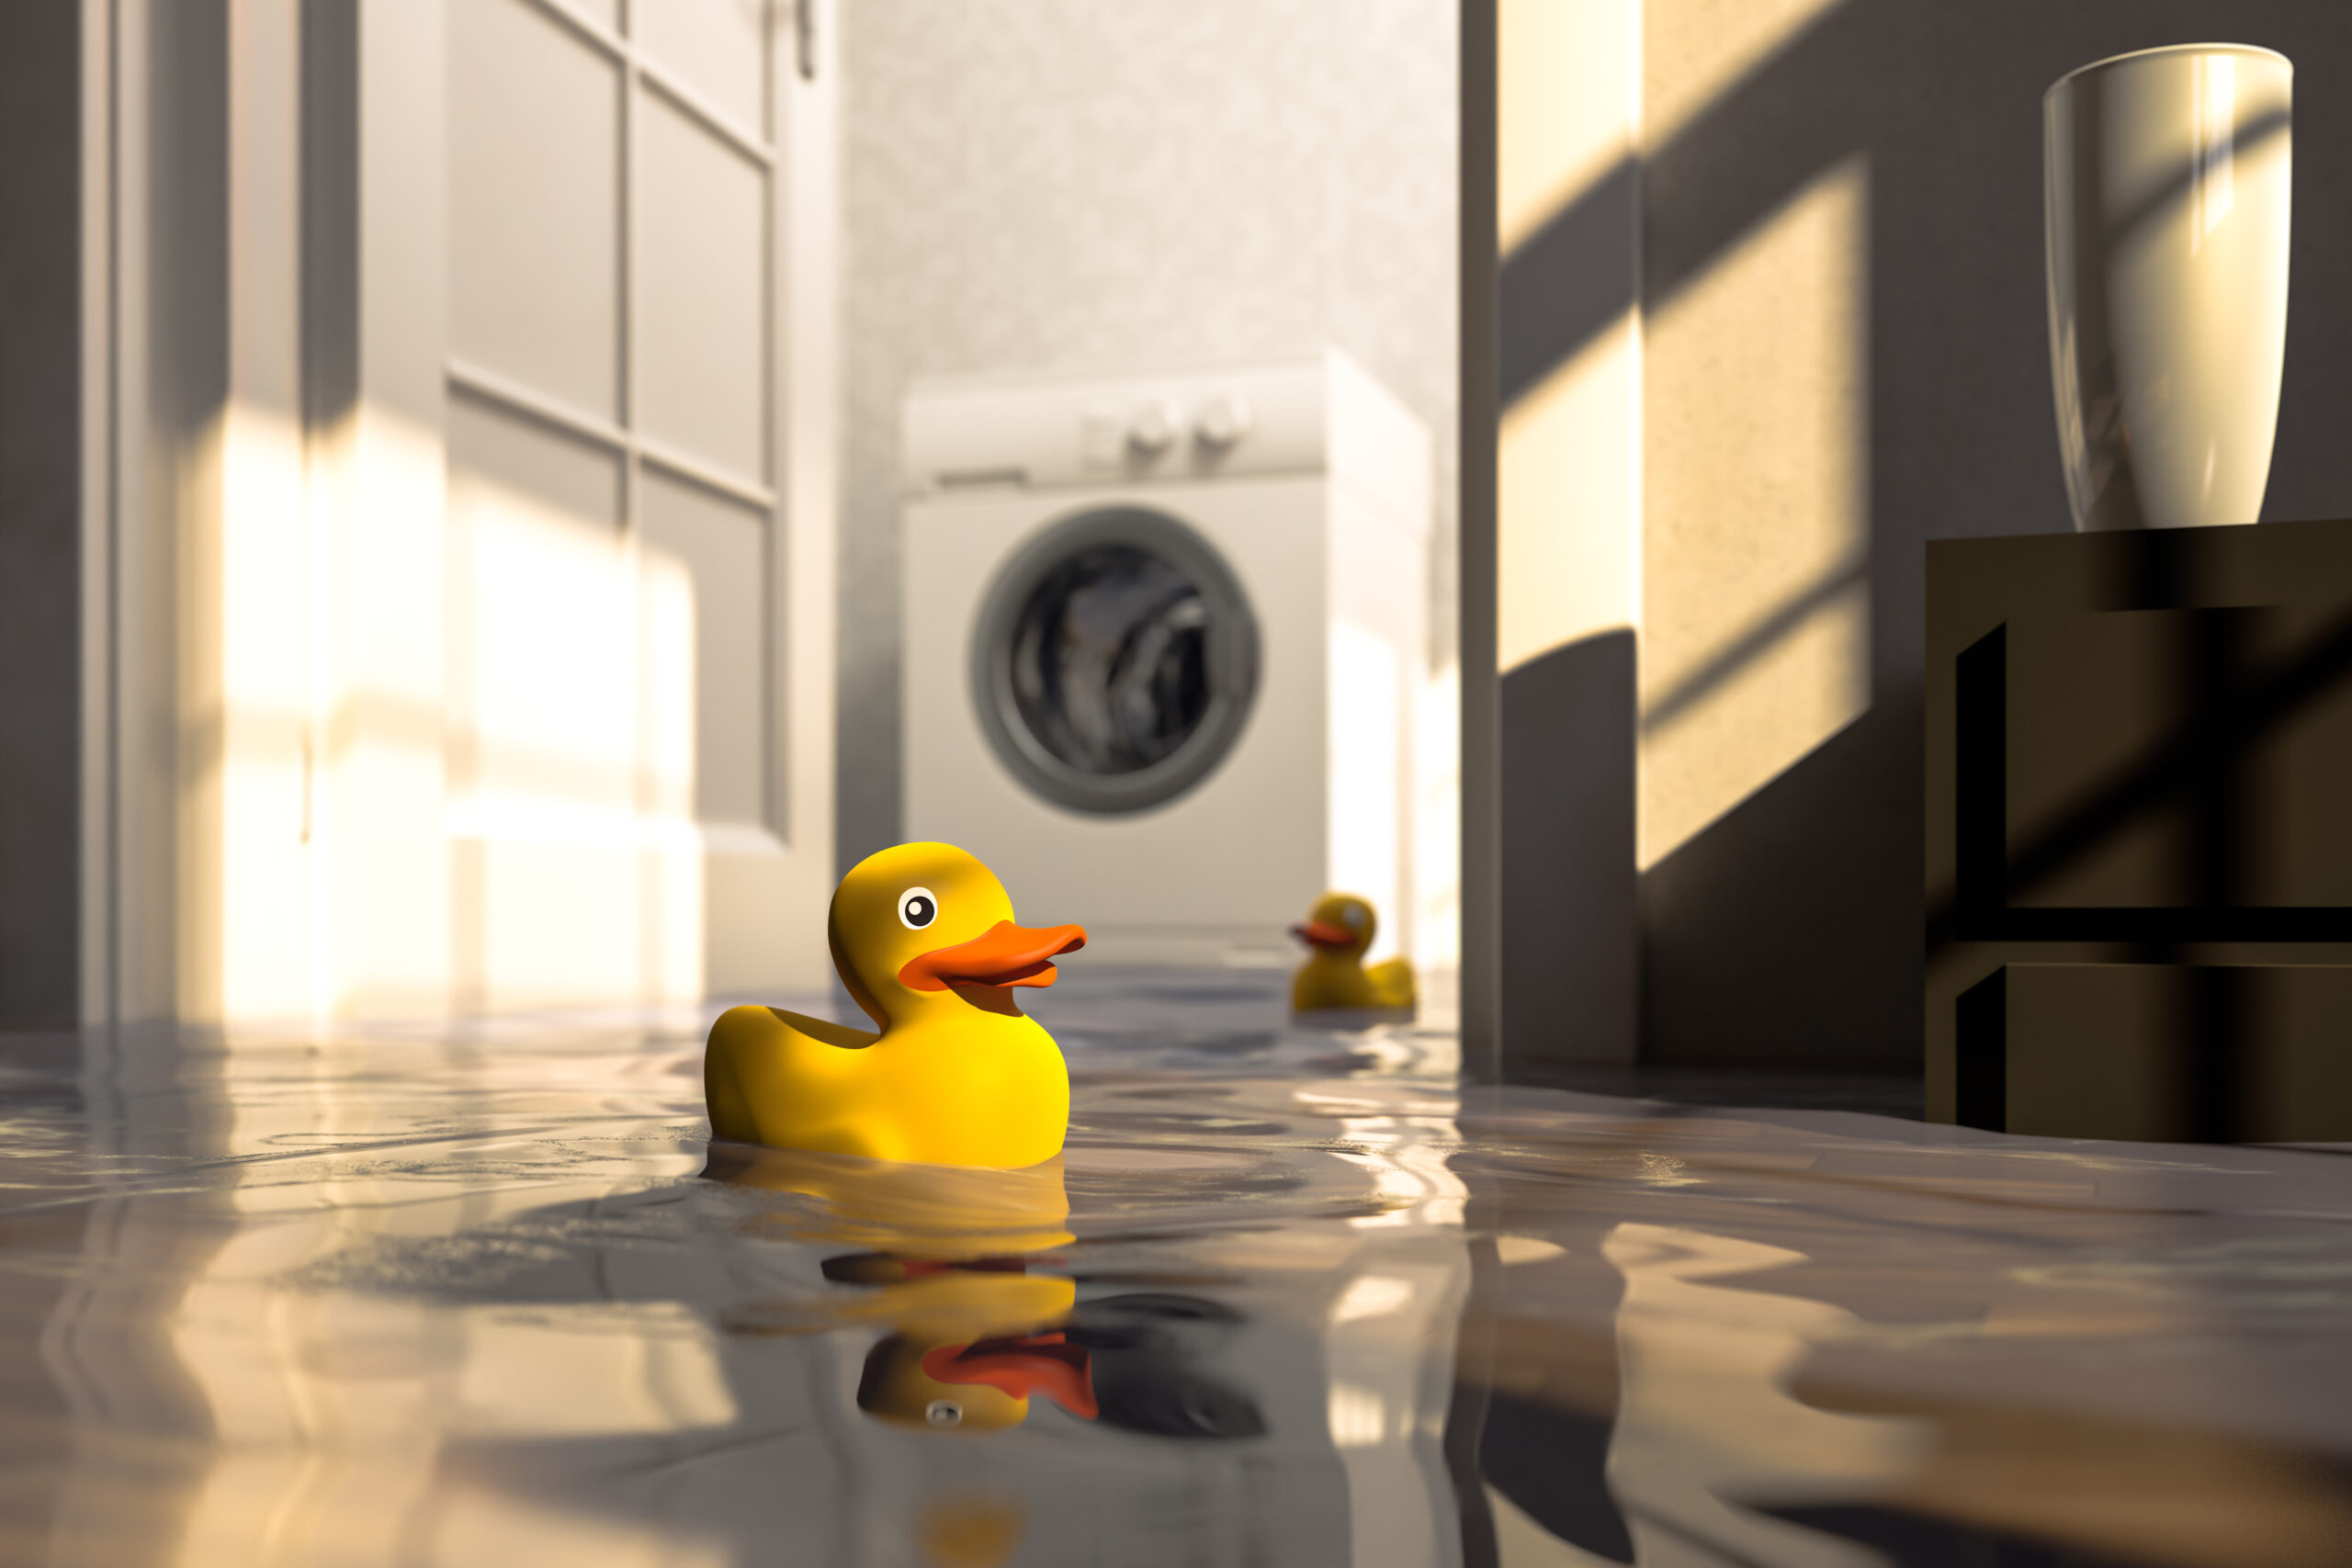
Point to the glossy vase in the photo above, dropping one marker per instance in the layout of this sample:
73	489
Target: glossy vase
2166	184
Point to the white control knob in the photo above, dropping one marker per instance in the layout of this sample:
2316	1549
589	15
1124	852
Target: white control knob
1154	428
1220	421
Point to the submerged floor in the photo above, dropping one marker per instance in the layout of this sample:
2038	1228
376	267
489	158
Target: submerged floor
1290	1298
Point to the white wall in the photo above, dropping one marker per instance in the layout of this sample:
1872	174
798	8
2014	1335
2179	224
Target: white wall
1048	183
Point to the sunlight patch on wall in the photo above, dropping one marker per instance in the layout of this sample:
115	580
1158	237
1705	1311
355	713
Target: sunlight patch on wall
1756	644
540	687
381	772
1570	500
1569	469
1363	744
1698	50
1567	96
670	880
572	678
1437	814
247	879
312	877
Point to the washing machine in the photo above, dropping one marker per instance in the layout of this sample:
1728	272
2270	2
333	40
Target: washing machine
1163	635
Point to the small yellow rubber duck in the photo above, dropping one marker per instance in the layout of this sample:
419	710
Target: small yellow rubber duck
1333	979
923	938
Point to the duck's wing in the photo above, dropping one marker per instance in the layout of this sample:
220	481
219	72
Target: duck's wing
1392	983
746	1046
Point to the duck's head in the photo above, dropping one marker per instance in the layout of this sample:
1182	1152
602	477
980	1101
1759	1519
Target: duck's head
919	927
1340	923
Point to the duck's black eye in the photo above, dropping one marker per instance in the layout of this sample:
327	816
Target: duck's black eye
916	909
943	1413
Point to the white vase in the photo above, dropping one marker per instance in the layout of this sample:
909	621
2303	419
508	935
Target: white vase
2167	183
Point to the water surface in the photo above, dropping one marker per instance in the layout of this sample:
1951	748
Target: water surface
486	1294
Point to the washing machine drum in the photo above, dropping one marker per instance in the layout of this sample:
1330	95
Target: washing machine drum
1115	660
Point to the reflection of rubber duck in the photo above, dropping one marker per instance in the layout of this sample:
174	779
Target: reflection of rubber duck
1122	1361
950	1268
974	1385
954	1254
1333	979
971	1530
939	1212
975	1338
922	936
961	1267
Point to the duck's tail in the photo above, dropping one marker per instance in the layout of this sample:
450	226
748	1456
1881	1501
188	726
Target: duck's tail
1392	983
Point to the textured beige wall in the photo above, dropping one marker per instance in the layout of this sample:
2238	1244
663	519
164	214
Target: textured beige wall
1051	183
1756	449
1695	50
1697	470
1756	599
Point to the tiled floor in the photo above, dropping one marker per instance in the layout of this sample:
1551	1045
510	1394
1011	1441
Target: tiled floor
465	1296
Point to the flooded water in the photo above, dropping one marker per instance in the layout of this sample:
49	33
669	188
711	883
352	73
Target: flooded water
488	1295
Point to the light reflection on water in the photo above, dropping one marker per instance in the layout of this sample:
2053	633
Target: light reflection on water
487	1296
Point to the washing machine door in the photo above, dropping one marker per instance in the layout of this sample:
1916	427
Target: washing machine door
1116	661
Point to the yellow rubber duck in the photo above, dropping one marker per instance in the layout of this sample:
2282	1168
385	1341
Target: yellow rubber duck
1333	979
923	938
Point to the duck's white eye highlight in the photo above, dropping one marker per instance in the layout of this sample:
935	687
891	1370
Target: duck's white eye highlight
943	1413
916	909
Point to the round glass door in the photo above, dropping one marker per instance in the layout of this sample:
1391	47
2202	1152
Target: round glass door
1117	660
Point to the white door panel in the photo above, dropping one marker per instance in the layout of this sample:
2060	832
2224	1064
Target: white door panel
718	48
713	551
702	342
632	814
462	561
541	688
534	200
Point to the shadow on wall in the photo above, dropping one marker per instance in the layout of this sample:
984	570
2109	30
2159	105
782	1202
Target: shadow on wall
1769	937
1786	928
39	498
1572	814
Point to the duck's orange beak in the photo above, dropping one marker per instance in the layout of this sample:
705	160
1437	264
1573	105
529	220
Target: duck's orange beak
1005	955
1020	1365
1322	934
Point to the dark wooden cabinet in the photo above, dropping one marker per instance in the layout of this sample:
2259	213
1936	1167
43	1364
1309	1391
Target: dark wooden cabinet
2139	856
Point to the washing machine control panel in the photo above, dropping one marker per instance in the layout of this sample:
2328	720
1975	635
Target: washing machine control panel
1049	430
1155	428
1220	421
